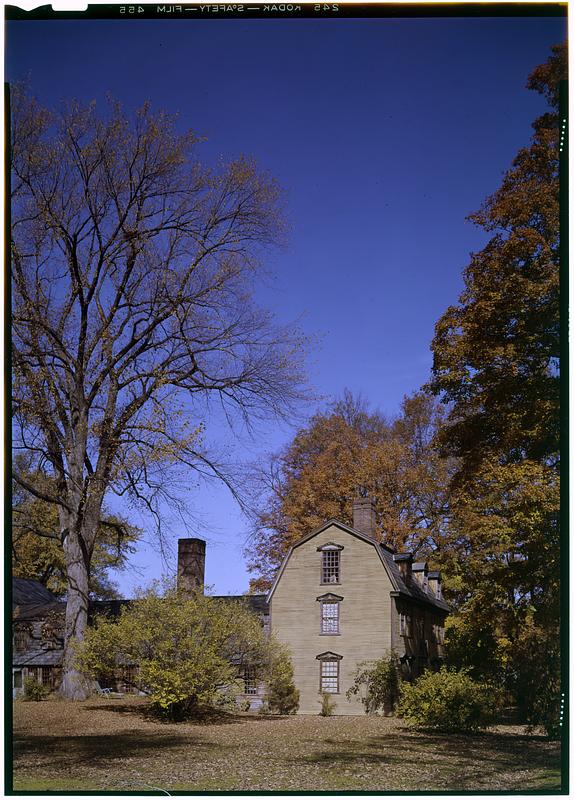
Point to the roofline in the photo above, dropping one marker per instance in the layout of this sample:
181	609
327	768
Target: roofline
432	601
365	537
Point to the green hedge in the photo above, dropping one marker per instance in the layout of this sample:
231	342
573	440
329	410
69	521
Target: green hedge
449	701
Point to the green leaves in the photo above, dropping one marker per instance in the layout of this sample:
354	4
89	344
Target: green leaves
378	683
449	701
496	356
187	648
282	695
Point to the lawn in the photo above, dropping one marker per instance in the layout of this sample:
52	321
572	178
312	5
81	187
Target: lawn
113	745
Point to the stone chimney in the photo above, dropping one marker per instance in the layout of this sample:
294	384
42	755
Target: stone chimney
364	518
190	564
405	564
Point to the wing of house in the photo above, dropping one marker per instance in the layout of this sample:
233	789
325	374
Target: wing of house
341	598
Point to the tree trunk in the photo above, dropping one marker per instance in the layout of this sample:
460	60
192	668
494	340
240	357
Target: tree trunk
75	686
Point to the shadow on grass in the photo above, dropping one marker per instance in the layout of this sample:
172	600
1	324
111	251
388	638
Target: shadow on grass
206	715
459	759
99	751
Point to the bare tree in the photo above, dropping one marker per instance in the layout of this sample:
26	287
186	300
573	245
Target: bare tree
131	271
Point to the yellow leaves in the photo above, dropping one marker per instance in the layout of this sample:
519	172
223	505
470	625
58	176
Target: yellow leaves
185	647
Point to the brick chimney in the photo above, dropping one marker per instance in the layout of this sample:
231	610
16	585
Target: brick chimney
190	564
364	518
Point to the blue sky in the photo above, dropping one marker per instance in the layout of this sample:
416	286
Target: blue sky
385	135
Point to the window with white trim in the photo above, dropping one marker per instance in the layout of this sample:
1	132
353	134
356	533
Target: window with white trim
249	679
330	676
329	616
330	566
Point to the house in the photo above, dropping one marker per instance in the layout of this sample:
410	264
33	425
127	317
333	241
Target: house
38	639
342	598
38	621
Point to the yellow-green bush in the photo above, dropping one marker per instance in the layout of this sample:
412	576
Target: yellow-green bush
282	694
378	684
189	650
33	690
449	701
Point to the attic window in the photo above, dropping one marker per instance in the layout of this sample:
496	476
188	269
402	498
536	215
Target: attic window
330	566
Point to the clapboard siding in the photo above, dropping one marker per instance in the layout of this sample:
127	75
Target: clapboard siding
365	614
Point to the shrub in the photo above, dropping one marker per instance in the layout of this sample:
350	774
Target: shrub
282	695
328	705
449	701
382	684
226	699
33	690
183	671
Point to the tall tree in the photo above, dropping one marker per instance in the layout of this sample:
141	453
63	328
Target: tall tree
346	451
132	267
496	366
36	546
496	352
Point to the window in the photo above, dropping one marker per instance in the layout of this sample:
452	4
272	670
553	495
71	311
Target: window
331	566
249	679
130	676
47	676
329	617
18	679
406	625
420	623
330	676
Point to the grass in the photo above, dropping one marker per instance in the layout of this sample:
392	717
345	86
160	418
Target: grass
114	745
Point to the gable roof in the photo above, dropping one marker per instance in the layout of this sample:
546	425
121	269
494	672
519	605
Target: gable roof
27	592
257	603
385	553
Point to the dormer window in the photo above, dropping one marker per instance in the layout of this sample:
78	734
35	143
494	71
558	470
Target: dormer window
330	563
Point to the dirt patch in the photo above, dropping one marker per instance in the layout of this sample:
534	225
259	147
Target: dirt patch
115	745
